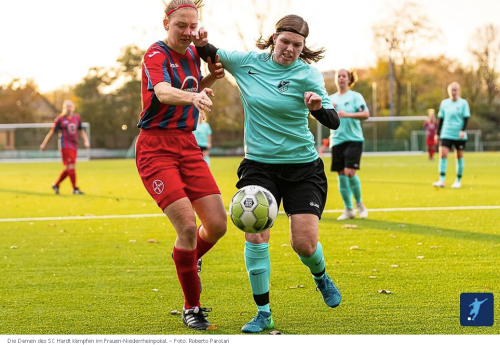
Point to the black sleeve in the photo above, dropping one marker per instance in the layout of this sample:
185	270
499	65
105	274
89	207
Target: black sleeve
441	120
327	117
206	51
464	127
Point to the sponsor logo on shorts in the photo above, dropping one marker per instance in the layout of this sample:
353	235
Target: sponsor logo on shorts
158	186
313	204
356	165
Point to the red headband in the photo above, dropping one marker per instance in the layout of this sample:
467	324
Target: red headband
181	6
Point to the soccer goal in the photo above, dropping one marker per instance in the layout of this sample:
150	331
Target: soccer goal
474	141
20	142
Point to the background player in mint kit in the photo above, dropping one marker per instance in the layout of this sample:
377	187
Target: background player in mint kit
203	135
278	89
67	125
169	161
347	142
453	116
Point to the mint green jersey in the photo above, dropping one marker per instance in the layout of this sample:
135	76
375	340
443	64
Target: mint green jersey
203	130
276	127
350	129
453	114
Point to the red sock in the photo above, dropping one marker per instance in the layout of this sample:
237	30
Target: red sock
202	247
72	176
62	176
431	153
185	264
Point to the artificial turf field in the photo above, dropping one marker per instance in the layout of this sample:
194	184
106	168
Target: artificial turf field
114	275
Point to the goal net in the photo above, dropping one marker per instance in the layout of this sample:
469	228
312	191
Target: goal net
474	141
20	142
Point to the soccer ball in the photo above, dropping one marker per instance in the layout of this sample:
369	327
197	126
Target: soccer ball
253	209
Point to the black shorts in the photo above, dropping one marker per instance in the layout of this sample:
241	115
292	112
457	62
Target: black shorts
203	148
303	187
346	155
459	144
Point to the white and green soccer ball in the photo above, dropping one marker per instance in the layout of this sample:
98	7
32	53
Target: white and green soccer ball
253	209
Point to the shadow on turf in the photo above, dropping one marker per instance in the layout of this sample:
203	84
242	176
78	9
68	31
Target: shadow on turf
70	194
419	229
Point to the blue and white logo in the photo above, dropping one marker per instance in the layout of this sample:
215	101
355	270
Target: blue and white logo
476	309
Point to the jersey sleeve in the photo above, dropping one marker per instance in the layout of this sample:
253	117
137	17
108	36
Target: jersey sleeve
360	103
441	111
231	60
316	83
155	64
57	125
466	110
209	129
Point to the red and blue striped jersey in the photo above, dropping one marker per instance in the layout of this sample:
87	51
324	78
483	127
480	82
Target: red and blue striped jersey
182	71
68	127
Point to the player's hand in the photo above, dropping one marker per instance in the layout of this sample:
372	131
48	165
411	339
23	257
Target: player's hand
312	101
216	69
334	105
341	113
202	101
199	37
461	135
42	147
86	144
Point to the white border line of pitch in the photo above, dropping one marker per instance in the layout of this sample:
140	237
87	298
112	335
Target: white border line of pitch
119	216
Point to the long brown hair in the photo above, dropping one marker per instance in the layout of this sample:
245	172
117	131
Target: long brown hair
352	75
298	25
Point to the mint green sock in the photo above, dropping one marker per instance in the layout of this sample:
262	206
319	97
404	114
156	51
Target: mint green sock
355	184
460	168
443	164
207	159
345	191
258	266
316	262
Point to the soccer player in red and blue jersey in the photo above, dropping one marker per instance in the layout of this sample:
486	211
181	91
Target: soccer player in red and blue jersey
67	125
169	161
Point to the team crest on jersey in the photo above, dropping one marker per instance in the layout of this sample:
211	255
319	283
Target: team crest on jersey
283	86
71	128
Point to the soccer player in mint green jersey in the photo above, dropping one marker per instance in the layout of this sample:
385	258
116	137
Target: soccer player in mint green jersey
453	116
279	89
203	135
347	142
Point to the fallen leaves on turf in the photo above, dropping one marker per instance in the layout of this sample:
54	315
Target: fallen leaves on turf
275	333
354	248
152	240
384	291
212	328
420	257
350	226
175	312
296	287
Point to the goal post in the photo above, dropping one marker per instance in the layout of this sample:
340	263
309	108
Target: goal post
474	141
20	142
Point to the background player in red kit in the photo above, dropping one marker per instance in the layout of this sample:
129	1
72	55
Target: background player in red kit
169	161
430	126
67	124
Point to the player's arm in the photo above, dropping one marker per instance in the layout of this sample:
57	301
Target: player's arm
85	138
440	126
464	127
209	141
216	72
360	115
167	94
46	139
327	117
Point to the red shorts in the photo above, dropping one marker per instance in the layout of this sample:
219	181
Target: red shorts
172	167
68	156
430	141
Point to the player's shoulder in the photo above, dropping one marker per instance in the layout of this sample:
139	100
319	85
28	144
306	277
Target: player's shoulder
157	48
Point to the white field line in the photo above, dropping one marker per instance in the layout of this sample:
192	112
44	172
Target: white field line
155	215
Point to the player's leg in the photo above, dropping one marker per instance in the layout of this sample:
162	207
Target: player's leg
352	163
206	156
256	253
338	165
64	172
309	183
444	149
212	214
304	241
459	156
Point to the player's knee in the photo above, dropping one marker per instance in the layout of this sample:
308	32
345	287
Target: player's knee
188	233
216	227
304	249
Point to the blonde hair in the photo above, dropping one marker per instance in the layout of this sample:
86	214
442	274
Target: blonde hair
451	85
297	25
175	3
65	104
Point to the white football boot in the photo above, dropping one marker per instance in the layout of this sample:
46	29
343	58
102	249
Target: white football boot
362	210
456	184
438	184
348	214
